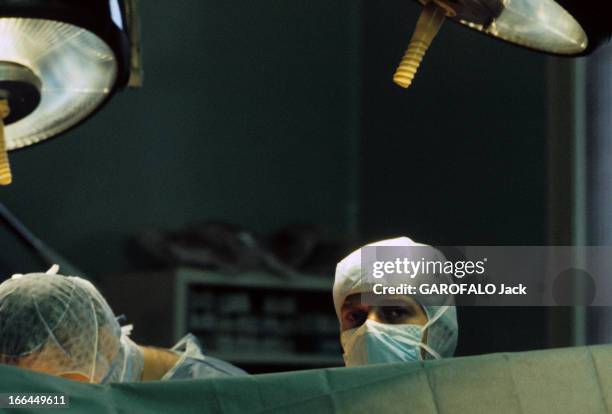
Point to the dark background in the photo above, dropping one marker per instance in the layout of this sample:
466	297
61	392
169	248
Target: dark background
269	113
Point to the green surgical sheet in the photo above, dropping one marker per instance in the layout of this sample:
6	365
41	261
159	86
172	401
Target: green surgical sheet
572	380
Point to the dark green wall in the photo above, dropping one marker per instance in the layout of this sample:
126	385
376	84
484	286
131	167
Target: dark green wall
247	115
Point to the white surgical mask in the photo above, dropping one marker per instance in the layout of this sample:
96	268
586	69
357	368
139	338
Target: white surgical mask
379	343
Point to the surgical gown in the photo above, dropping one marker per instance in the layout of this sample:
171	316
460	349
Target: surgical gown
193	364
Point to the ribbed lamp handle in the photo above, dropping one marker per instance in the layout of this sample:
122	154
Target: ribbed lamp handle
5	168
427	28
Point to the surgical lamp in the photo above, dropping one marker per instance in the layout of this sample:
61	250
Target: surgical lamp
561	27
61	61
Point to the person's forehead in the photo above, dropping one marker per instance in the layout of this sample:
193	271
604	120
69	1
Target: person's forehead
357	299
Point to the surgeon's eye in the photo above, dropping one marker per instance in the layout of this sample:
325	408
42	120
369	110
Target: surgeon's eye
395	314
356	318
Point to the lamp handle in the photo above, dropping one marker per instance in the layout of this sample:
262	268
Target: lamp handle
5	168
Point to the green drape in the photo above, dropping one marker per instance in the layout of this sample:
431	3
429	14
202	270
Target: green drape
572	380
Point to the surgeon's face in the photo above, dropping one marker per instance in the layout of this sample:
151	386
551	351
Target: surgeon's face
398	309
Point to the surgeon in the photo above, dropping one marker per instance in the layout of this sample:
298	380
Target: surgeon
62	326
398	329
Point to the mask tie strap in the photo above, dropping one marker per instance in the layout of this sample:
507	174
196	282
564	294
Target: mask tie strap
430	351
430	322
437	316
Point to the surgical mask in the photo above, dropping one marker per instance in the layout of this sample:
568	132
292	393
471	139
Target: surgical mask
379	343
129	363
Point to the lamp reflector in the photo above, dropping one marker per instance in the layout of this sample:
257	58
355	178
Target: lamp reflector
539	24
75	72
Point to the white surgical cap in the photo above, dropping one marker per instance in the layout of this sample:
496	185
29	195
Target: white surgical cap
59	325
441	334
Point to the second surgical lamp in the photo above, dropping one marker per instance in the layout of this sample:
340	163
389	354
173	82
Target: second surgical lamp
562	27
